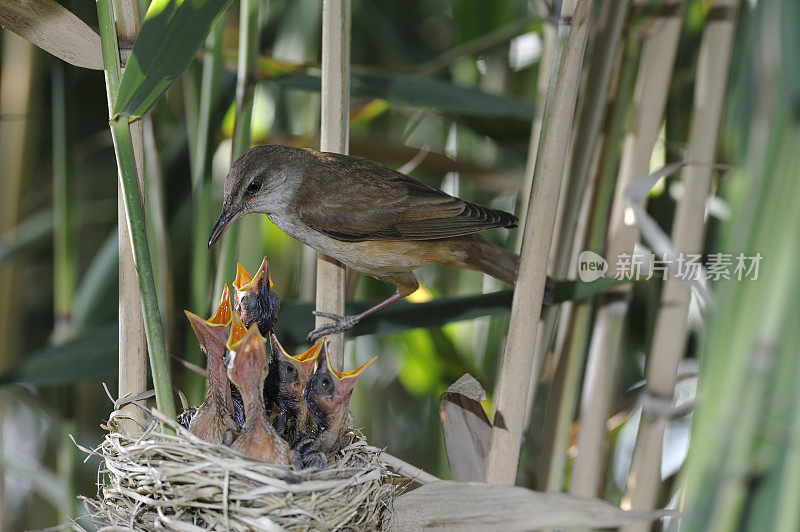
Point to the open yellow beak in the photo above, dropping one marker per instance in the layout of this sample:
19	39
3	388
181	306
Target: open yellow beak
353	374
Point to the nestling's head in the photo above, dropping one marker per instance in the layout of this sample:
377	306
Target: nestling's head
259	181
289	374
253	299
247	361
328	392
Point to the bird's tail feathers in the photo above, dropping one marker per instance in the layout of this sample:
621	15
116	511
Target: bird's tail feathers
501	264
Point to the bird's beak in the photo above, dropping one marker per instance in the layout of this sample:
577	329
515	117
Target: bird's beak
225	220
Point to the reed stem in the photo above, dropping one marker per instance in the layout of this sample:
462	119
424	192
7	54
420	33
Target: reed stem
649	98
518	362
64	267
135	221
334	137
672	325
247	68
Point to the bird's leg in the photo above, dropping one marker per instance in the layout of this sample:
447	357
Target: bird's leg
342	323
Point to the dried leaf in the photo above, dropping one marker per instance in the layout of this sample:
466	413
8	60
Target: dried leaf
486	507
467	431
54	29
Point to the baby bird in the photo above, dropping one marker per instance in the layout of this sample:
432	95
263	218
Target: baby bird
254	300
327	395
287	377
213	420
247	369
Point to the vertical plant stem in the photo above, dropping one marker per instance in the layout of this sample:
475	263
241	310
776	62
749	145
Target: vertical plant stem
200	277
608	32
518	363
688	230
571	351
545	73
64	270
334	137
157	226
249	26
135	224
18	75
649	100
65	467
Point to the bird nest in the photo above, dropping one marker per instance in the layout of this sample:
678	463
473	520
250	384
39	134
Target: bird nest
179	482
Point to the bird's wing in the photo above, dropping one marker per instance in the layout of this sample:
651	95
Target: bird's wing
371	202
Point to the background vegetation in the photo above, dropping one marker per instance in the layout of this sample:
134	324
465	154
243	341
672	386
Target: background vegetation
460	82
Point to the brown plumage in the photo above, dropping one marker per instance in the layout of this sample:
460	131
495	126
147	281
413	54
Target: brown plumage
375	220
213	420
247	369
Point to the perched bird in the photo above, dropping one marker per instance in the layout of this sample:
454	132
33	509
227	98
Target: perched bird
247	369
327	395
213	421
375	220
253	298
287	377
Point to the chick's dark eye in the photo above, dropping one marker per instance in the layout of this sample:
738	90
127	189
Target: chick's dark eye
254	186
289	370
325	383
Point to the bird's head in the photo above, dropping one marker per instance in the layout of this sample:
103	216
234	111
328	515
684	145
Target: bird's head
213	333
292	372
247	360
328	391
259	181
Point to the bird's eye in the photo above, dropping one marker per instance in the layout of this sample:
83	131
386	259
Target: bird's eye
289	369
254	186
325	383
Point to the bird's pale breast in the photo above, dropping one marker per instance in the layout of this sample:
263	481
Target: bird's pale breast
374	257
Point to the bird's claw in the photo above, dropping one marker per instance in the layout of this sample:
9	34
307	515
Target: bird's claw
338	324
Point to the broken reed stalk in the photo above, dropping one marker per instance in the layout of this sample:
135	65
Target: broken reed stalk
246	74
650	97
132	361
334	137
603	51
200	276
688	231
518	363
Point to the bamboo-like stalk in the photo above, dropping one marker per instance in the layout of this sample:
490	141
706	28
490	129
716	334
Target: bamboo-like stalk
134	221
571	351
650	96
132	342
157	226
608	31
201	154
688	230
743	468
518	362
64	266
18	74
334	137
543	81
246	69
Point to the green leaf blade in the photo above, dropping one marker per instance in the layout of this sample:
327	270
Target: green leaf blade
171	34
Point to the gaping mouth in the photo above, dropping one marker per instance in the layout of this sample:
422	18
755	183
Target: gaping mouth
225	220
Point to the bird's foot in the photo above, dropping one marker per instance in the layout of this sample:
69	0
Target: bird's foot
338	324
